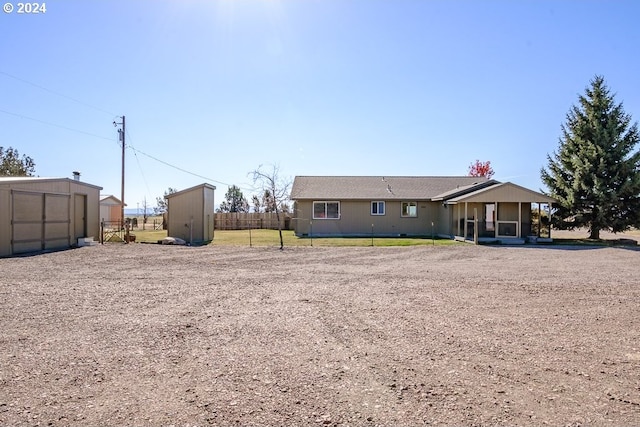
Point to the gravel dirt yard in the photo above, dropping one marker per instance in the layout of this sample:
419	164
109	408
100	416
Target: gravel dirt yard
155	335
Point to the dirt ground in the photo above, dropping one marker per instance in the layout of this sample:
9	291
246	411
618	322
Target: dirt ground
155	335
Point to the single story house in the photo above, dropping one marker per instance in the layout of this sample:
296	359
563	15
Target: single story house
39	214
190	214
460	207
110	209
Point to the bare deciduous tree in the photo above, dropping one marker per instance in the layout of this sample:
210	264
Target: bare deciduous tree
278	188
162	201
145	210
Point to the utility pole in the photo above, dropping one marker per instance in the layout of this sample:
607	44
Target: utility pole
121	134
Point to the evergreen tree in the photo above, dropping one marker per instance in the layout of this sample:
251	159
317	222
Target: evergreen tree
268	202
257	205
595	174
234	201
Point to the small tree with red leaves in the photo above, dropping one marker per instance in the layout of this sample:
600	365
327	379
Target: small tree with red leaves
479	168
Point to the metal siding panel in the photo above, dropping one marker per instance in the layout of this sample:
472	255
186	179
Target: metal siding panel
56	207
24	247
5	222
92	206
209	212
181	209
56	225
79	218
27	222
27	206
27	231
57	236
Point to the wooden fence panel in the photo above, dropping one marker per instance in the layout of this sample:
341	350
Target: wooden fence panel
245	221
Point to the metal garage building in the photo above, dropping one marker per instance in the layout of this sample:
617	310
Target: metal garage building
190	214
46	213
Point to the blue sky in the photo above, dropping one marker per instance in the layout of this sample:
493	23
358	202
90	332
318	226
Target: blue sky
351	87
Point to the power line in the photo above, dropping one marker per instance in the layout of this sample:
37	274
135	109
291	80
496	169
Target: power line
129	146
186	171
54	125
176	167
139	165
57	93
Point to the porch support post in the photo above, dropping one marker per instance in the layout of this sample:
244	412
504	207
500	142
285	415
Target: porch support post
549	207
539	218
465	220
519	233
475	226
458	209
495	220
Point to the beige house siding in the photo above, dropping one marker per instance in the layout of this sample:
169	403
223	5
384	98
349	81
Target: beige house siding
46	213
356	219
445	206
190	214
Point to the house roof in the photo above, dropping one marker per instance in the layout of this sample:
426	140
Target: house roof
380	187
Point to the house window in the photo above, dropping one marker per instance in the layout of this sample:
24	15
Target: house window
326	210
377	208
409	209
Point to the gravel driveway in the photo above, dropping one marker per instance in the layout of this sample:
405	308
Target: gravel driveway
462	335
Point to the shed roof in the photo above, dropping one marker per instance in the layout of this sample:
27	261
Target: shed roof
186	190
380	187
36	179
110	197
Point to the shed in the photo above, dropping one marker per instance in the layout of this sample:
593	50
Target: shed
39	214
110	209
190	214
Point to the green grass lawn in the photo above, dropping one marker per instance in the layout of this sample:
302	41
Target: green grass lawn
271	238
149	236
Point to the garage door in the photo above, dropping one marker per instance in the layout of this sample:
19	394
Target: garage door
39	221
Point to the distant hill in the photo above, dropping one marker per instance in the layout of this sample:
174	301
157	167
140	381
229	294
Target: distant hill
136	212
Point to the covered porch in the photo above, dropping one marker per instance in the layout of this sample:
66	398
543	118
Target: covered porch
505	213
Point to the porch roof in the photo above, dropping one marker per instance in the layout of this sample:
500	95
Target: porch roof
502	192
